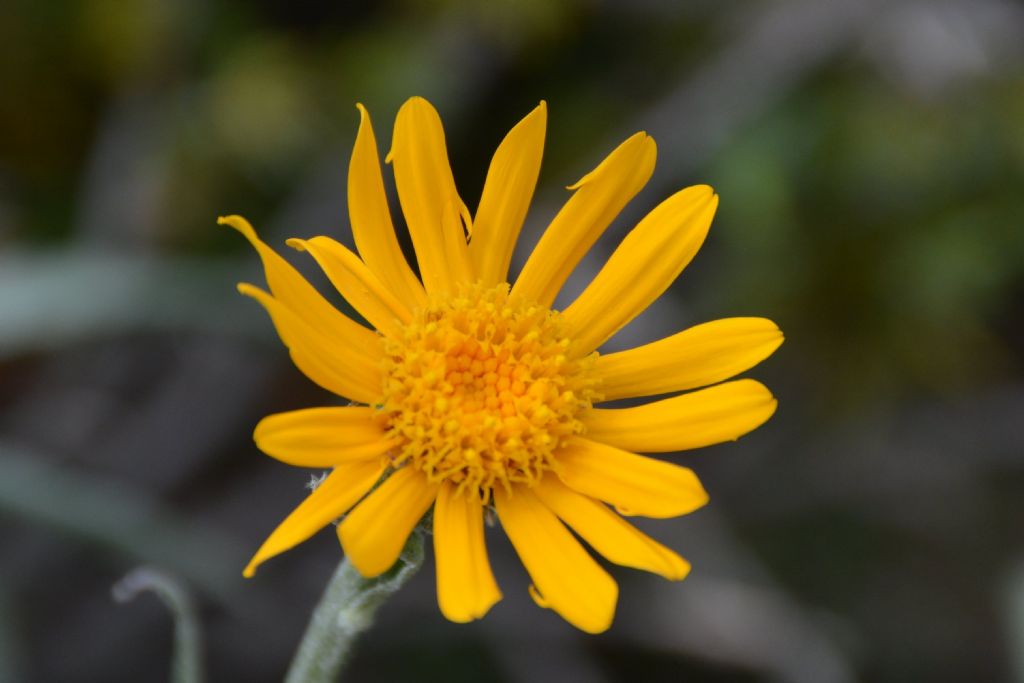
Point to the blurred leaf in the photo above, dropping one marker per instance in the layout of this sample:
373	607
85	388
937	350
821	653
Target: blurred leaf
113	515
50	300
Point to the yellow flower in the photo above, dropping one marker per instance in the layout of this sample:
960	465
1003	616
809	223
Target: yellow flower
476	394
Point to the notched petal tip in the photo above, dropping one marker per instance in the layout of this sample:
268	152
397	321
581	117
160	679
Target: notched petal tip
537	597
466	587
415	106
703	199
464	615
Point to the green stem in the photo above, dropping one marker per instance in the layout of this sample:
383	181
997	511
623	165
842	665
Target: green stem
344	612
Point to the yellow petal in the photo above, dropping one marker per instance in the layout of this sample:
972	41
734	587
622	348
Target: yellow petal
511	180
634	484
649	259
322	437
701	418
608	533
357	283
600	196
426	190
466	589
368	212
453	244
565	575
291	289
331	499
702	355
328	361
374	534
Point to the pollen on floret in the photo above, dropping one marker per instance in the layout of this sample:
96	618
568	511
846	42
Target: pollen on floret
480	391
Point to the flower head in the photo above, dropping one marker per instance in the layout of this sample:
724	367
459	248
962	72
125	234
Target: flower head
474	393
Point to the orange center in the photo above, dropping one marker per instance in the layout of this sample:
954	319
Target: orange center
480	390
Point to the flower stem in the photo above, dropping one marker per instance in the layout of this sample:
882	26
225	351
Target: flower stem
345	611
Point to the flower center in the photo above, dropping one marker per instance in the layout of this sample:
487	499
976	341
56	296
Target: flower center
480	391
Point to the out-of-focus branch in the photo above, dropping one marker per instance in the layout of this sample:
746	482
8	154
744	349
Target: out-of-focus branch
187	665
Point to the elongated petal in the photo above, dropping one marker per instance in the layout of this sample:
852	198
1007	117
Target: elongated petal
453	244
511	180
566	576
357	283
374	534
641	269
466	588
426	190
368	212
720	413
331	499
634	484
328	361
608	533
599	197
323	437
702	355
291	289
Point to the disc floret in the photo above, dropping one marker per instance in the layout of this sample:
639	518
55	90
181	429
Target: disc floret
481	390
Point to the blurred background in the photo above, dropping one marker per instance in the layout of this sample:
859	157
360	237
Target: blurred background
870	159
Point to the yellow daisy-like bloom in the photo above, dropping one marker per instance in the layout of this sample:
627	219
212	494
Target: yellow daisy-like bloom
477	394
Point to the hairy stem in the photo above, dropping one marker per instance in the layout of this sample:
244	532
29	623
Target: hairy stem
344	612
